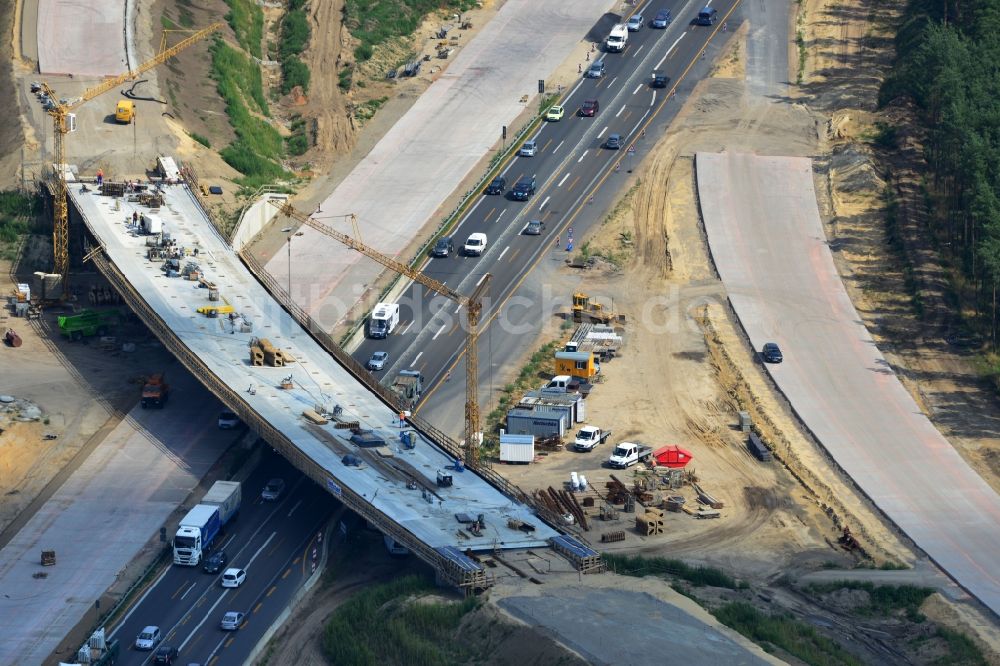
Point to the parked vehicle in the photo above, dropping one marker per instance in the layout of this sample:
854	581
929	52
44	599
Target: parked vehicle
528	148
273	491
87	323
155	392
589	108
125	111
233	577
589	437
627	454
198	529
524	188
617	39
445	246
476	244
497	185
148	638
383	320
772	353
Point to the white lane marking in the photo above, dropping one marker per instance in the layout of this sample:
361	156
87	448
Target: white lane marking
612	82
637	89
620	111
480	281
585	152
193	585
505	250
204	619
501	214
602	132
260	550
415	359
563	180
638	123
670	50
637	50
539	208
139	602
439	332
292	510
653	101
458	308
403	332
558	147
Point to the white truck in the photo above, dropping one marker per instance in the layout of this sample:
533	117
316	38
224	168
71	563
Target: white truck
384	319
627	454
150	224
617	38
589	437
198	529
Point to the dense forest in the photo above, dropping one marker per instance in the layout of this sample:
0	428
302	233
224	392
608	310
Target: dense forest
948	63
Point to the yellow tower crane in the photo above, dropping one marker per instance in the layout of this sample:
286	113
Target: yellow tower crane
64	122
472	305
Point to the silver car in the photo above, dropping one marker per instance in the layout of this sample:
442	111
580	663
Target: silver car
232	621
273	490
534	228
148	638
529	148
378	360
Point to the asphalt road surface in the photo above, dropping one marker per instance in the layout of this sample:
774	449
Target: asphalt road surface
769	247
570	167
274	541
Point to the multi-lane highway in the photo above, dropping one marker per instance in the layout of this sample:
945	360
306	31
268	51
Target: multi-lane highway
275	542
572	162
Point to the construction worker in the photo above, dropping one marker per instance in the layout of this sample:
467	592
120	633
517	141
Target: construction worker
100	177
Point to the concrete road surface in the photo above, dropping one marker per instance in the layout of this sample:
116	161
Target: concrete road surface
769	247
400	184
100	519
82	37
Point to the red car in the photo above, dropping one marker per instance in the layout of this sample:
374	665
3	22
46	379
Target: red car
590	108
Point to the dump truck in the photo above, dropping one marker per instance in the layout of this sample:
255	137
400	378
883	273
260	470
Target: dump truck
198	529
155	392
409	386
588	437
88	323
627	454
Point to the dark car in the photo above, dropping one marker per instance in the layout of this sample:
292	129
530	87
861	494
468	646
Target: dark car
215	562
707	16
523	188
662	19
589	108
444	247
596	70
497	185
659	80
772	353
534	228
614	142
165	655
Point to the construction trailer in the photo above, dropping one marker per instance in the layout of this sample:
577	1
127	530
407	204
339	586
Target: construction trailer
542	422
516	448
580	364
572	404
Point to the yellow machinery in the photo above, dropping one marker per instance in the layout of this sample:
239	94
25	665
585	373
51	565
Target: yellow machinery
472	305
589	312
65	122
125	111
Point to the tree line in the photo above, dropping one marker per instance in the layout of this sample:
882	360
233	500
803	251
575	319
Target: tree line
948	63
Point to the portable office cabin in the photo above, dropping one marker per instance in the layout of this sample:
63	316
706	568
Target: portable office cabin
582	364
542	422
516	448
573	404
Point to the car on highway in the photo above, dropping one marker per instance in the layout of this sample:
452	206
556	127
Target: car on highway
444	247
378	360
215	562
589	108
523	188
475	246
148	638
273	490
659	79
497	185
772	353
707	16
555	113
596	70
165	655
534	228
228	421
635	22
233	577
231	621
614	142
662	19
529	148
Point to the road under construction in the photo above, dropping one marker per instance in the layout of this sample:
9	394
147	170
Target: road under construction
293	386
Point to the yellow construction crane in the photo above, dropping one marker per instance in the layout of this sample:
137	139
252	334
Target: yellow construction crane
472	305
65	122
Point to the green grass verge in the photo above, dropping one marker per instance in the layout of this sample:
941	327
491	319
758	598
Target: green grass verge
203	140
375	21
366	110
246	18
882	599
19	215
785	633
638	566
382	625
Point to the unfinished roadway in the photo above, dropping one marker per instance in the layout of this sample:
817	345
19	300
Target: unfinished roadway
768	245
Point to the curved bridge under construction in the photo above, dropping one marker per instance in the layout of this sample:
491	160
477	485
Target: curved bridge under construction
236	331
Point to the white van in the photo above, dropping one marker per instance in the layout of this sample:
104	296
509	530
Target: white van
617	39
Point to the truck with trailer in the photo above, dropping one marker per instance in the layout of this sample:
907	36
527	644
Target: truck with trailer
383	320
627	454
589	437
88	323
155	391
198	529
408	386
